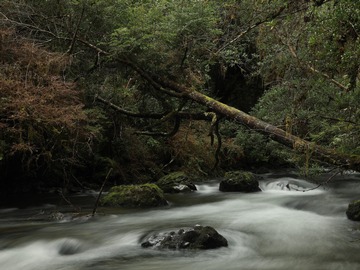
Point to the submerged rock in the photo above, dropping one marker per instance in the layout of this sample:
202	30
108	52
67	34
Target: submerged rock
240	181
69	247
56	216
198	237
176	182
353	211
147	195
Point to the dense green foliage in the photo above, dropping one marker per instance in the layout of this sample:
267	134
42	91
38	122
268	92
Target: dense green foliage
314	71
300	57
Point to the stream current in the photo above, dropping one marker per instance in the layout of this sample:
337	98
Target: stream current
281	227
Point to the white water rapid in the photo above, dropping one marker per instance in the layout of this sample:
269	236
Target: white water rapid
283	227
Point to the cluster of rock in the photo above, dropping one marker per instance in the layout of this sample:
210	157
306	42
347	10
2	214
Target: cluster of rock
198	237
148	195
152	195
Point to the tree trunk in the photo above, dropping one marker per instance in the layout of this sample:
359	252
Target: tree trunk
330	156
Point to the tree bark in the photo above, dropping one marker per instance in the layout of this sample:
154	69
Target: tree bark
330	156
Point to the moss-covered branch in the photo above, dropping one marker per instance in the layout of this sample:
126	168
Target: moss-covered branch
330	156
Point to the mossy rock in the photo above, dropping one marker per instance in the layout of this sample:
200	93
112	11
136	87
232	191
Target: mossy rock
138	196
353	211
176	182
240	181
198	237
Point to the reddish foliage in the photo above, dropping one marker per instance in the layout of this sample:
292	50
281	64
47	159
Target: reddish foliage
40	113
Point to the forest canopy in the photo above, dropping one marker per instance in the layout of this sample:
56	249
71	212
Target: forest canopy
139	87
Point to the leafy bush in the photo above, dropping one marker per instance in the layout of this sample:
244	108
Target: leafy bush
42	121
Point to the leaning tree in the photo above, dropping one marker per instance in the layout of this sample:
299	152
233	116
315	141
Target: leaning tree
167	49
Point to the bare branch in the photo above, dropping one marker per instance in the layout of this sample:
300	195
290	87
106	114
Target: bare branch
9	21
47	32
163	134
71	47
151	79
321	184
331	156
100	192
129	113
163	116
314	70
251	27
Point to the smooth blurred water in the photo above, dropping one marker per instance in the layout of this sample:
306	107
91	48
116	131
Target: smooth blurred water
281	227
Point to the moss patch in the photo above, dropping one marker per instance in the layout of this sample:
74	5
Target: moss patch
139	196
176	182
240	181
243	175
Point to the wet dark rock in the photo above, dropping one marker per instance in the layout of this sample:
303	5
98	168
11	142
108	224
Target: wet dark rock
56	216
198	237
240	181
353	211
69	247
52	216
138	196
176	182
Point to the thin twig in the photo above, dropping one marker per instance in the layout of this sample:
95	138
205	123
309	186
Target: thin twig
72	44
78	209
41	30
314	70
251	27
101	190
219	144
321	184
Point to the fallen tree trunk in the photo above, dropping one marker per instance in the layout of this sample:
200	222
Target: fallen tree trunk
327	155
330	156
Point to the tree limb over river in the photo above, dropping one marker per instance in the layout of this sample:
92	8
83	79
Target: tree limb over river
316	152
274	67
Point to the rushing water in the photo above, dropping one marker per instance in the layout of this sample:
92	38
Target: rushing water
274	229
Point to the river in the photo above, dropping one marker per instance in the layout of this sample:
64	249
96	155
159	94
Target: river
273	229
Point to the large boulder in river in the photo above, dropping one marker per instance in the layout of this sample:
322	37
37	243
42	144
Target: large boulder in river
240	181
176	182
198	237
147	195
353	211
